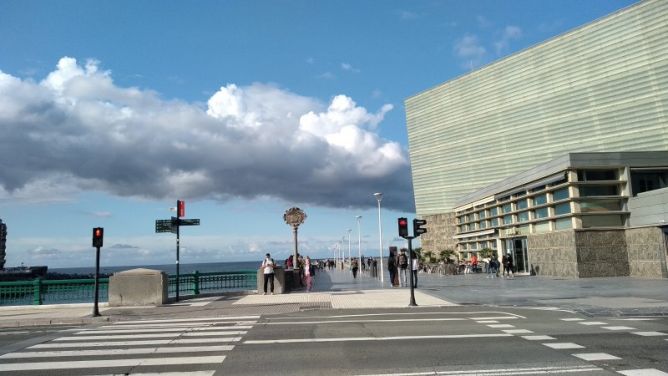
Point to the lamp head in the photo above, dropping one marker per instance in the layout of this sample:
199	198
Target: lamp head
379	196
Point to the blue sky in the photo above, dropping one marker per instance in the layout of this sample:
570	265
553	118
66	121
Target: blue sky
111	111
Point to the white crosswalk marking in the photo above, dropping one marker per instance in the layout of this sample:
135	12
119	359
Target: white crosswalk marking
180	341
159	330
78	364
189	346
154	335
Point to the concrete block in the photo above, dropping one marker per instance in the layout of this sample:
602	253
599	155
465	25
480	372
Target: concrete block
282	281
138	287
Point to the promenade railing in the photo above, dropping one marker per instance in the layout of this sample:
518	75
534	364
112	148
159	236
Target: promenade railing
203	283
59	291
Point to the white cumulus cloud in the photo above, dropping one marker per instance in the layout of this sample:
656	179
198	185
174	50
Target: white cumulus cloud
77	130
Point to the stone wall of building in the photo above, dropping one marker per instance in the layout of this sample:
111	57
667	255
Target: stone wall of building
553	254
647	252
602	253
440	230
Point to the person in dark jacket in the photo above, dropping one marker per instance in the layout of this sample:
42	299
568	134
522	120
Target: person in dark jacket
392	267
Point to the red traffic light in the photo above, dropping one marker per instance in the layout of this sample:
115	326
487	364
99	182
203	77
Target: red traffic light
180	208
98	236
403	227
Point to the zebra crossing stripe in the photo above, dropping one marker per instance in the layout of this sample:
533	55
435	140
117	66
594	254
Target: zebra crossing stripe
160	330
180	341
175	325
190	373
133	351
80	364
196	319
153	335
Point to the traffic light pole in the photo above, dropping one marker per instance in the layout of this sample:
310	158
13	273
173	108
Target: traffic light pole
412	303
96	311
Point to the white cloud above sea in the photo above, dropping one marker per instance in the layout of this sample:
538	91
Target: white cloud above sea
76	130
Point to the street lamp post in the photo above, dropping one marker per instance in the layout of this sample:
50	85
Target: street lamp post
359	241
350	260
379	196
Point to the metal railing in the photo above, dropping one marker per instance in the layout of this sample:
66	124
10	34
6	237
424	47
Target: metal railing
47	291
199	283
58	291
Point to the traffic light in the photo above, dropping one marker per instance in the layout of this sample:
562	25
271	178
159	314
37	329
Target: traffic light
417	227
98	236
403	227
180	208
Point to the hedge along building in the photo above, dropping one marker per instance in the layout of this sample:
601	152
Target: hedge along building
600	88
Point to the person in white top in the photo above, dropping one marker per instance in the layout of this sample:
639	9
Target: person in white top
415	268
307	274
268	266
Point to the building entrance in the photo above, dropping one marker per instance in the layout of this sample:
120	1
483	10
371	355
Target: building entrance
517	247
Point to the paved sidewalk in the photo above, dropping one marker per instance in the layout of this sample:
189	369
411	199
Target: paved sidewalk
338	290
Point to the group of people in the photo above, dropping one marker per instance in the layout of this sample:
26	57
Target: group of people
306	271
398	266
493	266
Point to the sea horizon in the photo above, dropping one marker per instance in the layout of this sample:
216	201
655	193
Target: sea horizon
185	268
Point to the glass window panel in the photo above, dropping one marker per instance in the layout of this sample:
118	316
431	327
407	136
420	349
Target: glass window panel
590	221
507	219
507	208
590	175
523	216
482	224
481	214
538	188
541	227
599	190
493	211
540	200
522	204
562	224
540	213
560	194
495	222
564	208
600	206
643	181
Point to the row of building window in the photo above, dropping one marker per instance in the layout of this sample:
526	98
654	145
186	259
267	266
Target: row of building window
597	191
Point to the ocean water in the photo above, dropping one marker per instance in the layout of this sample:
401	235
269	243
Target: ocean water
169	269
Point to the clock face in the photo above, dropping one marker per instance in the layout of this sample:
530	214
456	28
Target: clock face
294	216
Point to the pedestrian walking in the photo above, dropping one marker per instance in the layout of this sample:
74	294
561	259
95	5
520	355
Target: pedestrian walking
414	269
508	266
392	267
403	268
268	266
355	267
308	274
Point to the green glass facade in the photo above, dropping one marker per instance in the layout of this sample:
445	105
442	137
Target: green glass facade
602	87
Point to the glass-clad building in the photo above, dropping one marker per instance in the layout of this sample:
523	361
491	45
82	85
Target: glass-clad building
573	216
602	87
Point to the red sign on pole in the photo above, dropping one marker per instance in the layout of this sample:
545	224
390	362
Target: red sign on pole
180	208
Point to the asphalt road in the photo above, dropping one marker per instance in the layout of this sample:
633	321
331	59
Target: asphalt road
465	340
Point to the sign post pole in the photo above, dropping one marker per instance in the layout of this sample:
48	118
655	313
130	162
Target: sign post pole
173	225
178	244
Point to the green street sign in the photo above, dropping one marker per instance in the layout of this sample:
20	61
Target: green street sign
163	225
189	222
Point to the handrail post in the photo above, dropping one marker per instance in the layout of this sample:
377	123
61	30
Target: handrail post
196	283
37	291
